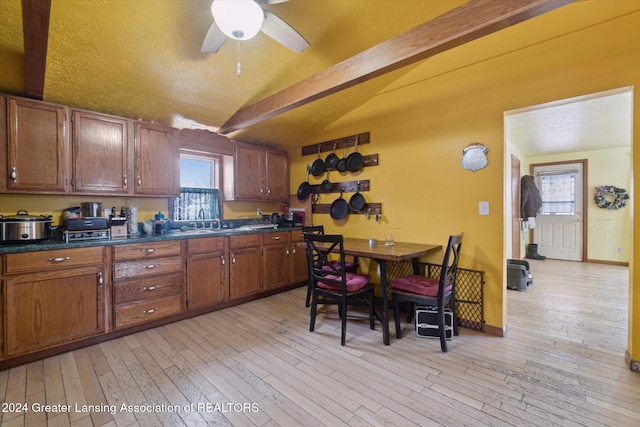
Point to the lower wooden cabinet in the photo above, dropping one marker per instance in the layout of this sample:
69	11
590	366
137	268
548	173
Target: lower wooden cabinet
54	307
148	282
207	283
245	269
298	255
275	260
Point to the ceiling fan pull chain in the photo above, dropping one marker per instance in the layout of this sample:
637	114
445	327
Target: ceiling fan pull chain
238	66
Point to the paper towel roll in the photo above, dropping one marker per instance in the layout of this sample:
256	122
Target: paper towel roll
133	220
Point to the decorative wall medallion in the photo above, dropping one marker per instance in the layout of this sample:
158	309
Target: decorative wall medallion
474	157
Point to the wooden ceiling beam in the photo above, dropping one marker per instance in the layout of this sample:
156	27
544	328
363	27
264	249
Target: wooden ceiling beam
469	22
35	26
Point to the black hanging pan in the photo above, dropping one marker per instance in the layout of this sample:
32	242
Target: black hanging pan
318	167
339	208
342	163
305	188
355	161
332	159
357	202
326	185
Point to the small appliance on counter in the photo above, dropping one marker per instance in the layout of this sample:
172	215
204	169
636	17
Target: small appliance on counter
87	226
24	228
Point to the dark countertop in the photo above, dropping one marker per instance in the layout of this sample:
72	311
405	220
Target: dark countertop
51	244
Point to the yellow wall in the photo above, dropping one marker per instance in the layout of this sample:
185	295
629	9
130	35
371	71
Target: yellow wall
607	229
420	124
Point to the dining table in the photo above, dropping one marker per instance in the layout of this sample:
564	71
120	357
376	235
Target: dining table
381	253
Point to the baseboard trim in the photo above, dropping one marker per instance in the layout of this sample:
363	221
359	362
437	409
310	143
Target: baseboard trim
634	365
597	261
494	330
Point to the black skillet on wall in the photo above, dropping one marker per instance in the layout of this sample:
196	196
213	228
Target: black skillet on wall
318	167
305	188
332	159
357	202
355	161
342	163
339	208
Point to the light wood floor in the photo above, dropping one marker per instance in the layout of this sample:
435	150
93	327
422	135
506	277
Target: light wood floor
561	363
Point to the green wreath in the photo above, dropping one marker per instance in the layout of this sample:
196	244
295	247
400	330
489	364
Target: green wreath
610	197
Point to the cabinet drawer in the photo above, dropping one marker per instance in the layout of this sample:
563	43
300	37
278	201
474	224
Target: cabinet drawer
280	237
297	236
145	250
147	267
145	311
146	289
244	241
61	258
210	244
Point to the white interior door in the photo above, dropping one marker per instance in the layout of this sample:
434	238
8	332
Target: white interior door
559	224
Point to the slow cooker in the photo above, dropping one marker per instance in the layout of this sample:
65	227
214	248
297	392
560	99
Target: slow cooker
24	228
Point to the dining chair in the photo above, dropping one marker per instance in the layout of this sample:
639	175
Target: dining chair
331	283
351	266
424	291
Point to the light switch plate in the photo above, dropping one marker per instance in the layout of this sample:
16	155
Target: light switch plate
484	208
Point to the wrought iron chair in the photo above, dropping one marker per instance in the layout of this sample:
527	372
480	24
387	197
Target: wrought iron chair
331	283
437	293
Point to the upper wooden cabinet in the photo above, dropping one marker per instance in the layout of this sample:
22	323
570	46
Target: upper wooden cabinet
102	153
260	173
157	160
37	146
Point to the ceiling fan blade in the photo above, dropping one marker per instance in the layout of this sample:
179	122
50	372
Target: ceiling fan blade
283	33
214	39
270	1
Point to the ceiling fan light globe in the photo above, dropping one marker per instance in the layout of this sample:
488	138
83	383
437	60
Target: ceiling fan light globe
238	19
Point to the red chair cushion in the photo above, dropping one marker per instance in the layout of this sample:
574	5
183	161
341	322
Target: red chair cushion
355	282
418	285
347	265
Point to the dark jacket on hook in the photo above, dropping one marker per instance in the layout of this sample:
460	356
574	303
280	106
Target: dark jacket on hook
530	200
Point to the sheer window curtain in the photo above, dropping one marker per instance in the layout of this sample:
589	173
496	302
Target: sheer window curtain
187	206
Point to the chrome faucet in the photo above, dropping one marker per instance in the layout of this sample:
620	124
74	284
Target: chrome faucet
218	221
201	216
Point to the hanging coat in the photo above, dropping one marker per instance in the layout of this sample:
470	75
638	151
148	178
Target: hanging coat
530	200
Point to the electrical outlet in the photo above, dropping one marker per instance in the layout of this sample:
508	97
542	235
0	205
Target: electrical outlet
619	250
259	212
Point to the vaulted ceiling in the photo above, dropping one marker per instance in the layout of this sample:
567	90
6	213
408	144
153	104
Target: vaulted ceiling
142	59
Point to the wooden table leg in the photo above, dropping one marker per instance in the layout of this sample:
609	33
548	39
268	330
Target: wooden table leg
385	301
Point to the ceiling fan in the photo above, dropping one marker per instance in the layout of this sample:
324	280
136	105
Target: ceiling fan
231	18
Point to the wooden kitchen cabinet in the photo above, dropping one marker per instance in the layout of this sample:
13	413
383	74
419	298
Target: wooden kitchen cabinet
148	282
207	272
60	299
298	256
101	153
260	173
157	160
275	260
245	270
37	146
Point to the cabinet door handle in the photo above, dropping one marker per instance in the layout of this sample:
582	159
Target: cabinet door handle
59	259
139	182
222	259
124	181
150	311
233	259
268	192
287	253
151	288
150	266
14	174
100	279
261	191
148	251
275	238
293	249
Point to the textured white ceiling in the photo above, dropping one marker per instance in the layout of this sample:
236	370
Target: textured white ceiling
585	123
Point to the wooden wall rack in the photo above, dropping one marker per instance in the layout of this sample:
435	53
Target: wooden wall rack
370	208
339	144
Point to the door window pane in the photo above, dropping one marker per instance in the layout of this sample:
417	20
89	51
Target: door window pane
558	193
